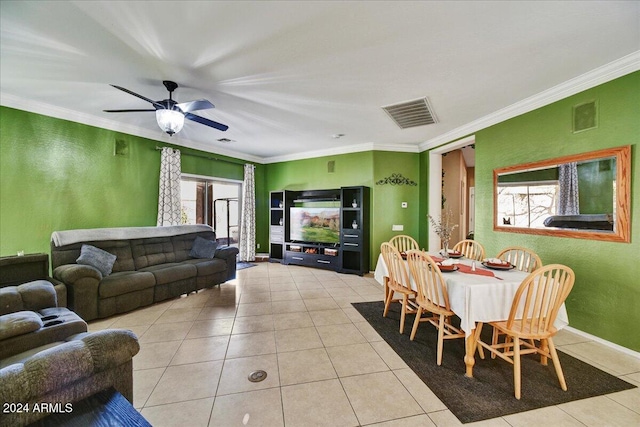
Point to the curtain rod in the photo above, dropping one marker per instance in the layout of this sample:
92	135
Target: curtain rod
205	157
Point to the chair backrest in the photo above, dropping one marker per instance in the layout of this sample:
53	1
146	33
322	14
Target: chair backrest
404	243
427	276
396	267
539	298
522	258
470	249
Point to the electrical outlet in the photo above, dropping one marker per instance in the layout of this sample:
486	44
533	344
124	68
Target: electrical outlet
404	204
258	246
396	227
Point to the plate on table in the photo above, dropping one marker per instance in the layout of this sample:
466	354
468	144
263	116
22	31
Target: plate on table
447	268
455	255
495	266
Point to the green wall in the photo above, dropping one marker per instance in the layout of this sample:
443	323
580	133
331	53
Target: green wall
606	296
363	168
60	175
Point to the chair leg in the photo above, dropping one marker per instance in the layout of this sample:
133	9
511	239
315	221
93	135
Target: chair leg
516	366
440	339
416	323
387	302
494	341
556	364
405	301
544	350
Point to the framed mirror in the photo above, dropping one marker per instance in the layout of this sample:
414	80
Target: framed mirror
585	196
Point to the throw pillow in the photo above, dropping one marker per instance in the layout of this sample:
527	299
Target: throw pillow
96	257
203	248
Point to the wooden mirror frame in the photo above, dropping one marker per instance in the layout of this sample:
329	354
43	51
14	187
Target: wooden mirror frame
622	228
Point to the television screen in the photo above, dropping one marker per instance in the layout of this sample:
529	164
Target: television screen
321	225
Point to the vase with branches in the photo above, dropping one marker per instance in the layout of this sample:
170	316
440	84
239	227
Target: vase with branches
444	228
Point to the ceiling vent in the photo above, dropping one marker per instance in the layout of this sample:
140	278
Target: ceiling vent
411	113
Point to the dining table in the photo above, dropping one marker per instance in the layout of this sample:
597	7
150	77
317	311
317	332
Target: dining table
477	294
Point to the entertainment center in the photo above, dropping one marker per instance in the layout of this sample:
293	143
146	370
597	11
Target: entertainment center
321	228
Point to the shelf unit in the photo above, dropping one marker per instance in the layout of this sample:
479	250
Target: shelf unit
350	255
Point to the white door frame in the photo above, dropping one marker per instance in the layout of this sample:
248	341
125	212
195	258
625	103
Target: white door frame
435	183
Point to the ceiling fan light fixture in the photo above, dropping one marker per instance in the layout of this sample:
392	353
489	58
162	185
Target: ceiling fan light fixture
170	121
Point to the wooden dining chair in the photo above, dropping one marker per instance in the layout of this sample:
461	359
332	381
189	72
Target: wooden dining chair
522	259
470	249
432	299
404	243
397	280
533	312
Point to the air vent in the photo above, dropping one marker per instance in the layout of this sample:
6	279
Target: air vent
411	113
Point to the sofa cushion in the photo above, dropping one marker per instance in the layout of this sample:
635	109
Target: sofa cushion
203	248
124	282
96	257
152	251
207	267
171	272
19	323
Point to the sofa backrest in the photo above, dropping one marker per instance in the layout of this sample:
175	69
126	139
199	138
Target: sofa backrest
153	251
182	243
68	254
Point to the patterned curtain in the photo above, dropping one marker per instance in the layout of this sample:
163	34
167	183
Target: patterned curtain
568	201
169	205
248	220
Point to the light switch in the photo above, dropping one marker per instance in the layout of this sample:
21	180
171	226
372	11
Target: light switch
396	227
404	204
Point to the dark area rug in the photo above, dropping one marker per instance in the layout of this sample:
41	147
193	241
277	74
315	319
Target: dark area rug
489	393
241	265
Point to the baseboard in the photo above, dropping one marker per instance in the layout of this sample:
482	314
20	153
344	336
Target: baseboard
604	342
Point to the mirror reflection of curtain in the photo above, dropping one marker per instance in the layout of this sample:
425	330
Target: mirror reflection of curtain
169	202
568	200
248	219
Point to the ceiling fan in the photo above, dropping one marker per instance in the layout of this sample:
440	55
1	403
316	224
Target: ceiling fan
169	114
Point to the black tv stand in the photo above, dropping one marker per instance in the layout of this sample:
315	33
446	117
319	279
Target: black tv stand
351	255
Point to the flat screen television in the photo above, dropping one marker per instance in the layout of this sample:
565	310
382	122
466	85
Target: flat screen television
314	224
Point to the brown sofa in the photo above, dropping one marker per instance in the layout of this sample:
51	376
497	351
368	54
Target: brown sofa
151	264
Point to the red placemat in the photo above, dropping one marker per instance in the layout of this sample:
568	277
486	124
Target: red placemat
468	270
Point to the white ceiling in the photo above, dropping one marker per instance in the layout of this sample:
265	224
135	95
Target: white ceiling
286	76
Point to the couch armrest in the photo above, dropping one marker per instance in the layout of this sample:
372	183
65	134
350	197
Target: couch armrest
71	273
110	347
228	253
82	283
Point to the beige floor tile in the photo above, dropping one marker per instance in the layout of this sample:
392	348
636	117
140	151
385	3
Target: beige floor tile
564	337
253	344
137	318
628	398
334	283
329	317
186	382
314	293
308	284
550	416
223	300
155	355
321	403
601	411
210	328
293	306
221	312
254	309
144	381
615	361
197	300
201	350
297	339
344	334
368	331
427	400
253	297
415	421
278	286
353	314
447	419
286	295
194	413
297	367
321	304
345	302
100	324
255	287
138	330
370	290
173	315
379	397
166	332
389	356
253	408
292	320
235	373
249	324
355	359
342	292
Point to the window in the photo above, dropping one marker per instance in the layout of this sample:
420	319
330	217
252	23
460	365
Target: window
214	202
527	204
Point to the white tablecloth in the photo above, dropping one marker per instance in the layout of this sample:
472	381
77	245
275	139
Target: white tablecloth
475	298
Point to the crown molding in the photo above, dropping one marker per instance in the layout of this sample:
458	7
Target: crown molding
613	70
44	109
347	149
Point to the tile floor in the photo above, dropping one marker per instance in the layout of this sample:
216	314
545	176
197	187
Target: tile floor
325	364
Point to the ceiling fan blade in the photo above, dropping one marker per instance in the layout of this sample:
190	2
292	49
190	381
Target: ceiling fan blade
200	104
124	111
206	122
156	104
